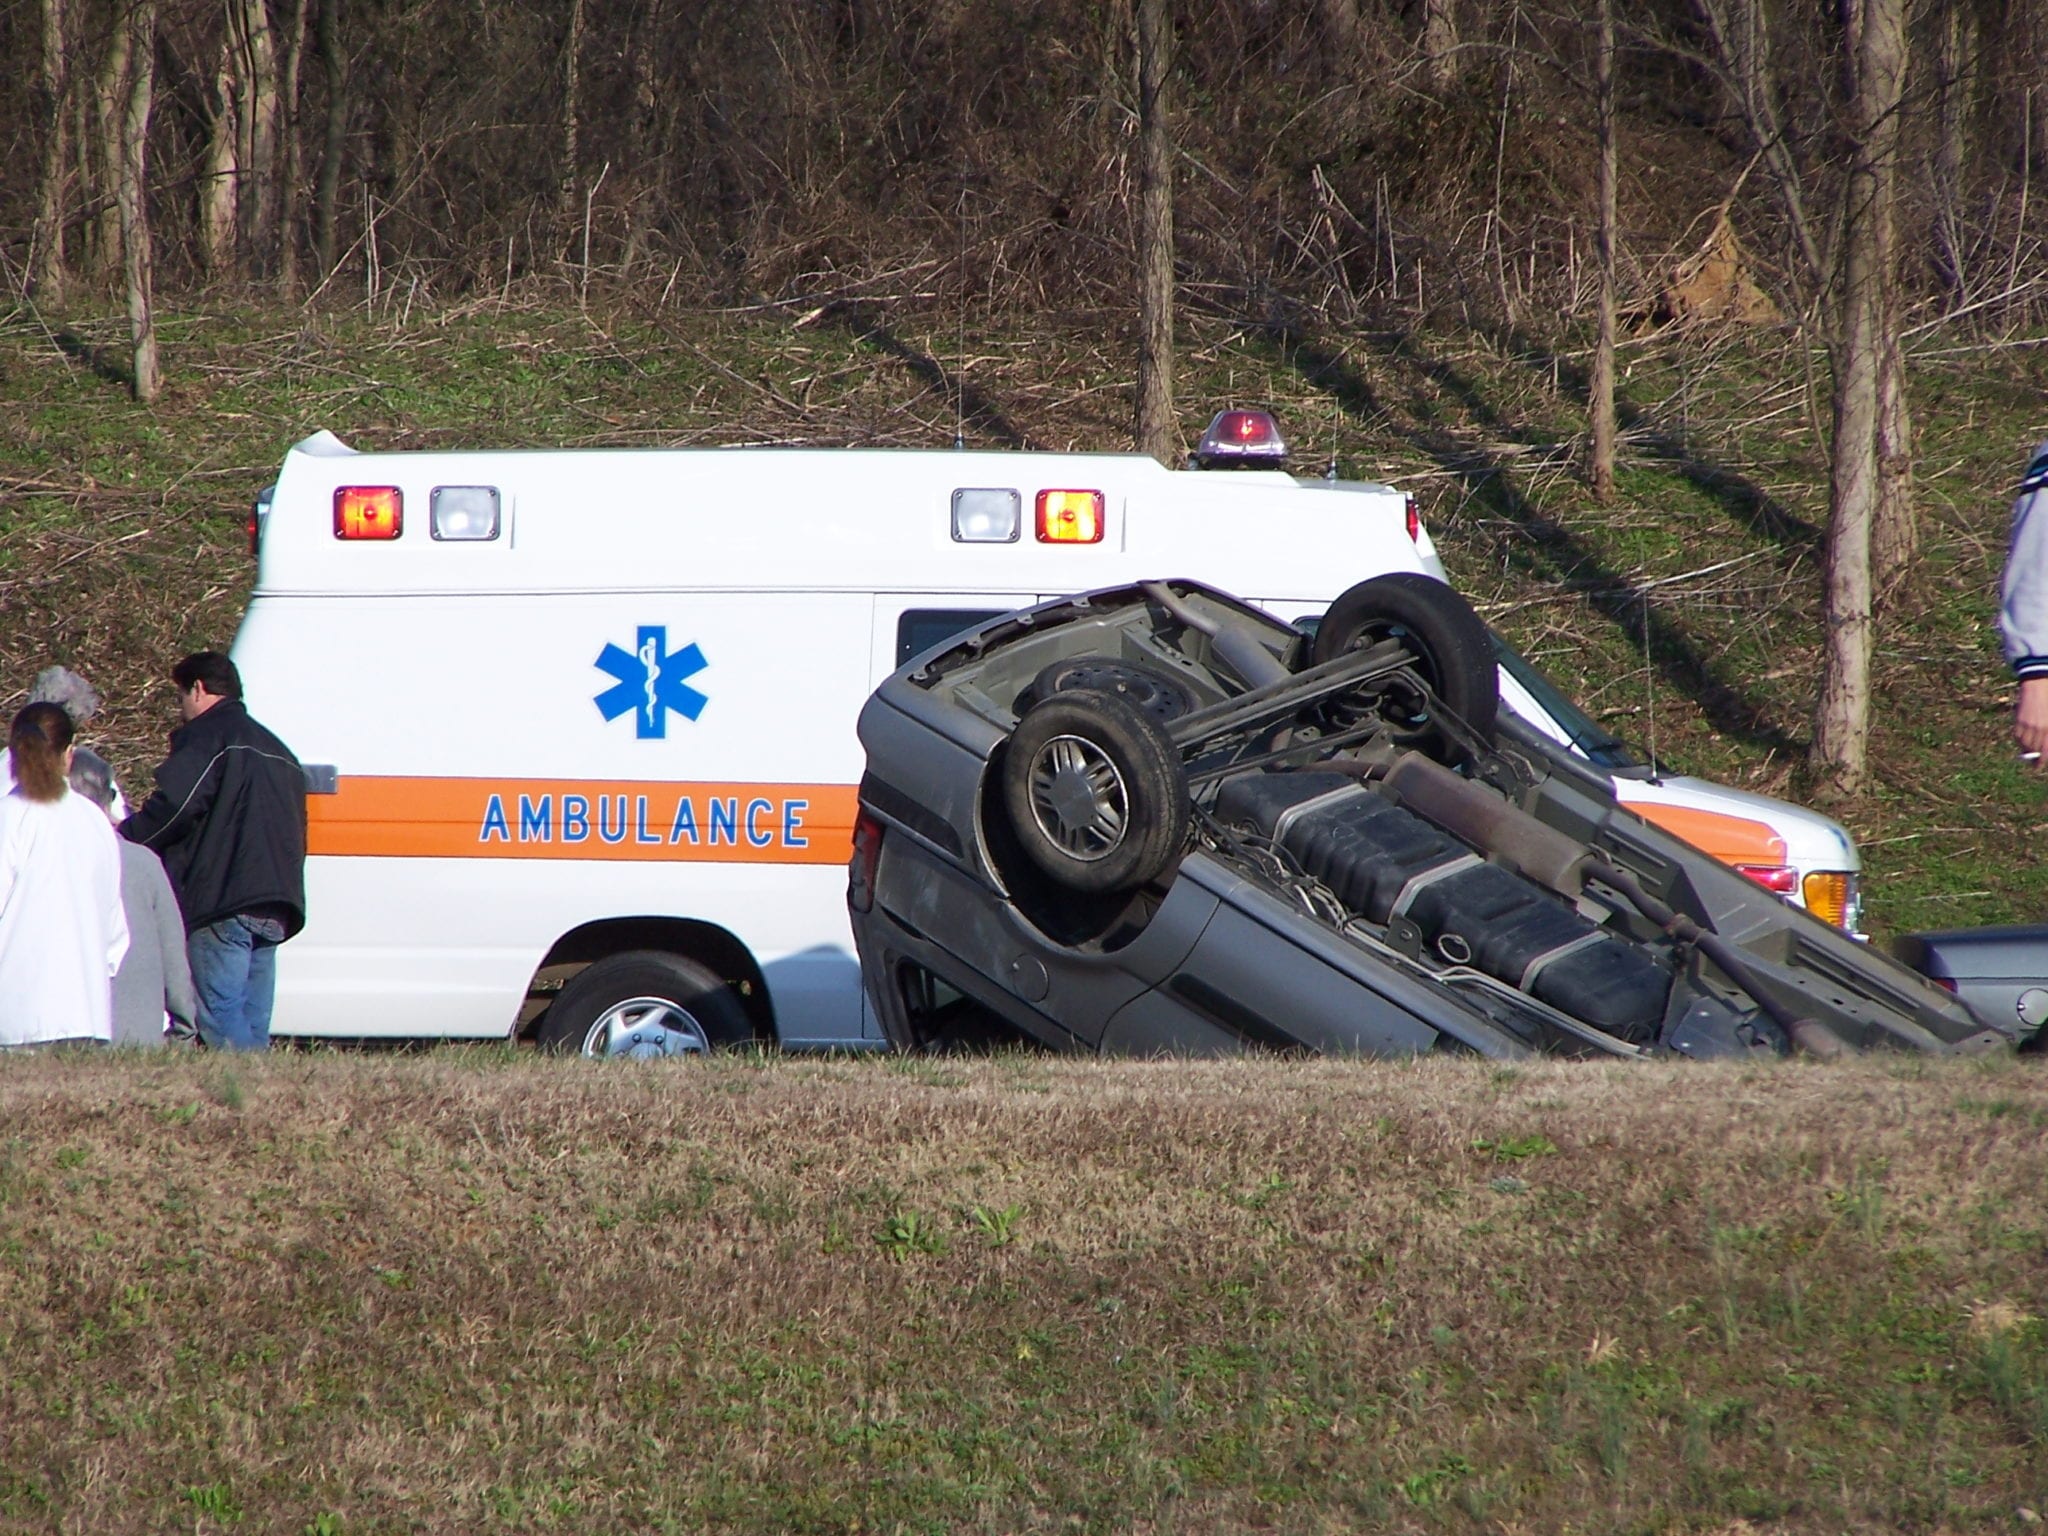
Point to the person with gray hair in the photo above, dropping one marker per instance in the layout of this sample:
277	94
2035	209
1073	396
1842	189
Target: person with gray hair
81	701
155	978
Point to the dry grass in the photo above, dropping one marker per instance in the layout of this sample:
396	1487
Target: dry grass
475	1291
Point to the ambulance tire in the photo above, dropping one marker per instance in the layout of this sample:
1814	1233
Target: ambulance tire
1453	653
644	1003
1095	792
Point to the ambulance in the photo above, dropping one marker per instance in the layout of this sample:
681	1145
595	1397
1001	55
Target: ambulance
578	726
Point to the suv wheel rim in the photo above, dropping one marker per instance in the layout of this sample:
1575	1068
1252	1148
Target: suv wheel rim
1078	798
643	1027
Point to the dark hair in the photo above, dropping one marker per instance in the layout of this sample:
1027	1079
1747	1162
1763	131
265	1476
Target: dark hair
93	777
211	668
36	741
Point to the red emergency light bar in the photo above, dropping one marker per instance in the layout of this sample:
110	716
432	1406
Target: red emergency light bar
1241	439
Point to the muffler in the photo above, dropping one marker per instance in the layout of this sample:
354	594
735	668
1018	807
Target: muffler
1491	823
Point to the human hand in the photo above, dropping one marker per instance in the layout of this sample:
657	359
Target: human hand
2030	717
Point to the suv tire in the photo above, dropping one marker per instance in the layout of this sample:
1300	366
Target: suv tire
1095	792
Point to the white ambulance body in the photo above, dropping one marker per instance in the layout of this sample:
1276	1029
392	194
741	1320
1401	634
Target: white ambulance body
558	707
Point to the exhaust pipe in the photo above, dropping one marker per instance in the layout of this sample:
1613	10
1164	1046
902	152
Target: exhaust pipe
1496	826
1490	823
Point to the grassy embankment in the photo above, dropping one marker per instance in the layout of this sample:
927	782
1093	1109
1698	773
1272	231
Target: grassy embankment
474	1292
124	541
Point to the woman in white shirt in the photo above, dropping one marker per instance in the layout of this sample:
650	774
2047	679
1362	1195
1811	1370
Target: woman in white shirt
62	931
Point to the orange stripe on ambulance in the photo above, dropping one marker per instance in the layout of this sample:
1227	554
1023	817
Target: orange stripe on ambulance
390	816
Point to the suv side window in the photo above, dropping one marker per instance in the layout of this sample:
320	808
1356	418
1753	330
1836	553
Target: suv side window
922	628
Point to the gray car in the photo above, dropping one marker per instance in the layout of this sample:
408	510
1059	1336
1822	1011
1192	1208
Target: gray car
2000	973
1155	819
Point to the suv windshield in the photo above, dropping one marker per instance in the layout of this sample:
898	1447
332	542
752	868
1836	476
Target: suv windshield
1601	746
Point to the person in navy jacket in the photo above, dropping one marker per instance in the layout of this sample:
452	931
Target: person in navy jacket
228	819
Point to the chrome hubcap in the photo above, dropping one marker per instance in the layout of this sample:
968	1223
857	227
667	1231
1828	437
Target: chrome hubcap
644	1027
1078	798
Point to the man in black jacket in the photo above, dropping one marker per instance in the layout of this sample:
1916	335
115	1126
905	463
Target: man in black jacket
228	818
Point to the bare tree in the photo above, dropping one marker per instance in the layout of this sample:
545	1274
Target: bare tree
240	202
1875	64
1957	65
1156	432
1601	468
283	233
220	192
327	190
49	267
1871	534
256	64
109	108
137	258
572	110
1742	42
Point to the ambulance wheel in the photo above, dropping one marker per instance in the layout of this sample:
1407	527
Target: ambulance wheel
643	1004
1453	653
1095	792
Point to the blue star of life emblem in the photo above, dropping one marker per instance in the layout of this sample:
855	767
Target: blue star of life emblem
651	682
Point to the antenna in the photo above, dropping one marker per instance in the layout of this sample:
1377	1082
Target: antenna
1650	688
1336	420
960	345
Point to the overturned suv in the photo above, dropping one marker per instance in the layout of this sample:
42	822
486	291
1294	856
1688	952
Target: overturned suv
1155	819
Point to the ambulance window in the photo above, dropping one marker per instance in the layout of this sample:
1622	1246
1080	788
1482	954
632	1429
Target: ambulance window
922	628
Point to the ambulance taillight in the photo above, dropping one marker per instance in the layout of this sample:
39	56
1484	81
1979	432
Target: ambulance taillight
368	512
259	513
1070	517
1413	515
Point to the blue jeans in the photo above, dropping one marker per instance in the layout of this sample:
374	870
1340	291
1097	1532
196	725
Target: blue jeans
234	969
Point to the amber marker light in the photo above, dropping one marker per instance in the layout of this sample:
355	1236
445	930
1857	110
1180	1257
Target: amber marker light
1833	896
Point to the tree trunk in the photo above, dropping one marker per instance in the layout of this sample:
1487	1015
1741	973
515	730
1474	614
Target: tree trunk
327	193
257	67
110	101
1601	474
1875	59
1156	433
1957	67
48	267
220	193
572	109
1895	532
1895	535
134	201
1440	42
286	227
